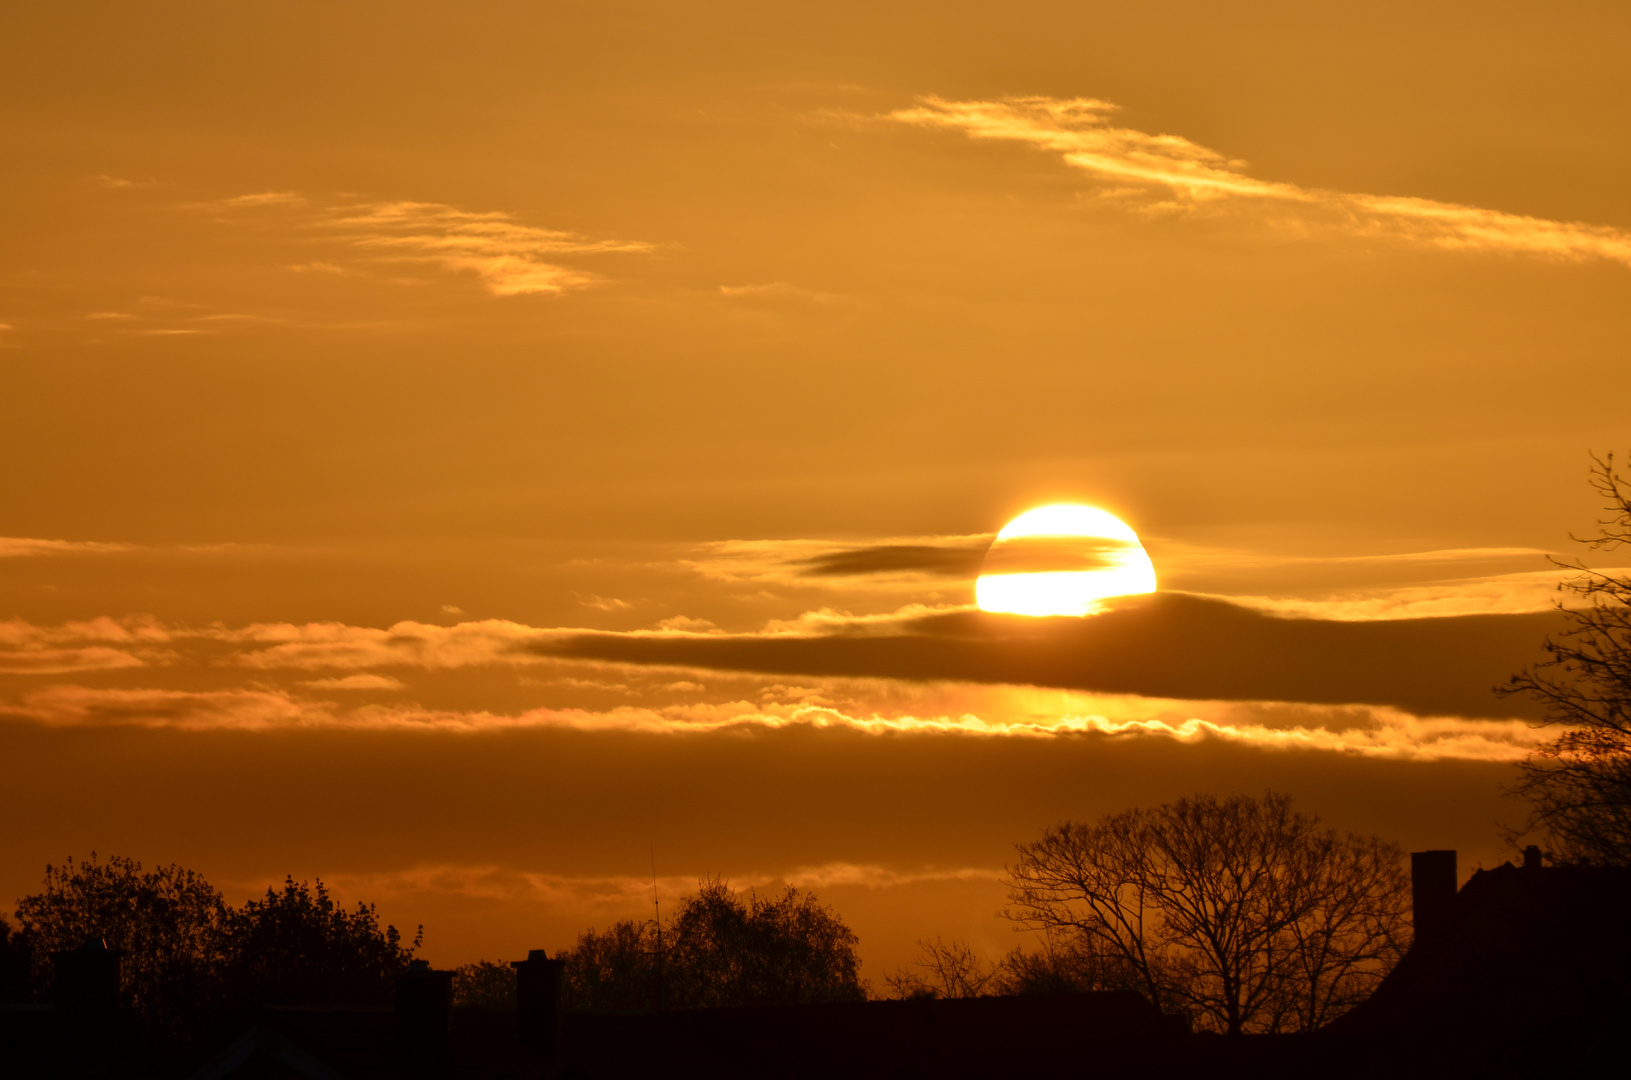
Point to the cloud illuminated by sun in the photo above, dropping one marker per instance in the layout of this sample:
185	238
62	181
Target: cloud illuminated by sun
1062	560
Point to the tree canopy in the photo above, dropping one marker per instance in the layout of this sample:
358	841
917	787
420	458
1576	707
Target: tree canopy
720	948
1241	912
168	922
1578	785
298	946
189	956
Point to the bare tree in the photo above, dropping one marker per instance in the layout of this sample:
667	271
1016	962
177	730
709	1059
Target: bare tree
1578	786
1241	912
944	970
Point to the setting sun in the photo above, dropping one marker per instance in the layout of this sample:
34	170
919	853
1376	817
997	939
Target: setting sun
1062	560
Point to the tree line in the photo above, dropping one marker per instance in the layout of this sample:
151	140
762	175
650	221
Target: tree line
720	948
189	957
1240	912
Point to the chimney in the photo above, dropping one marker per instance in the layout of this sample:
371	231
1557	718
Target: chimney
538	1000
85	998
424	1007
1432	894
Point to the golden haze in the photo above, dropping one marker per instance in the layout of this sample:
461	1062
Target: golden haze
424	424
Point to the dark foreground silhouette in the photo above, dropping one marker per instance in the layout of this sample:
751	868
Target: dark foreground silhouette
1524	971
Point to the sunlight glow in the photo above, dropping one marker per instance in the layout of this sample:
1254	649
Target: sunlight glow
1062	560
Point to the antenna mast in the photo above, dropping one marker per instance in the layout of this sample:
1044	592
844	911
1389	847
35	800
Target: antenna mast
662	1002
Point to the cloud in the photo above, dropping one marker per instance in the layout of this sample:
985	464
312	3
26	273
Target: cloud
684	624
618	894
775	290
1375	732
337	645
891	562
357	682
66	661
1168	172
79	706
1501	594
260	198
121	182
1165	645
954	559
509	257
15	547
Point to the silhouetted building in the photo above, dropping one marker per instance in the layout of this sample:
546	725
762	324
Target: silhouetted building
1524	971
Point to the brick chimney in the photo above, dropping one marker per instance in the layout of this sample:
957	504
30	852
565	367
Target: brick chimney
1432	893
538	998
424	1009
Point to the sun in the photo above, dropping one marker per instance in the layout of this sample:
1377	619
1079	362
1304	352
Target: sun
1062	560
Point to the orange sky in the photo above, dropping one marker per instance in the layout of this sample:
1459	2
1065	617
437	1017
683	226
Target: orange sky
452	450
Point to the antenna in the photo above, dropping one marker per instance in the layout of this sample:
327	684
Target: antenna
662	1002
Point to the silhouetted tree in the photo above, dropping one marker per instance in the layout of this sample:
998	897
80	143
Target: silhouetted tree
485	984
943	970
613	970
727	948
1241	912
721	948
168	922
1578	785
299	946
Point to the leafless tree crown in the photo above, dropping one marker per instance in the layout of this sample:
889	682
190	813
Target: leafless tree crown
1578	786
1241	912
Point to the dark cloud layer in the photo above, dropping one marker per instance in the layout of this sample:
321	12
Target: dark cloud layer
1169	645
246	808
940	560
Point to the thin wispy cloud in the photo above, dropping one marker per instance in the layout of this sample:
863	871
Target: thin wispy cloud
357	682
1169	172
1500	594
509	257
775	290
618	894
15	547
889	562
